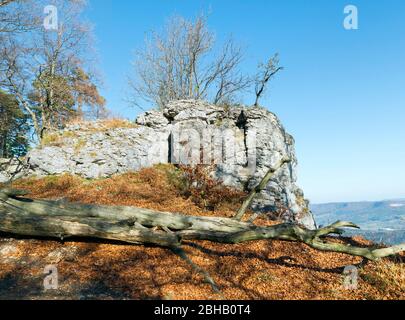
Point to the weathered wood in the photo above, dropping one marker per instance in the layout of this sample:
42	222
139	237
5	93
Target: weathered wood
61	220
259	188
63	227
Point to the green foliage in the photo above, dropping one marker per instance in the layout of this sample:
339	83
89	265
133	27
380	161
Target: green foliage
14	127
52	99
61	95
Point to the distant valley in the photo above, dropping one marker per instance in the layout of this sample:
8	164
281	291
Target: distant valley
381	221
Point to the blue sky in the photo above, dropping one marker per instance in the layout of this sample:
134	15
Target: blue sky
341	95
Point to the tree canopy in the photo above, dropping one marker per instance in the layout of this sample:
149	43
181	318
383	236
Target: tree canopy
182	62
14	127
49	72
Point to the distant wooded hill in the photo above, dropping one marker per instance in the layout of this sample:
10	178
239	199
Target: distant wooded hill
382	221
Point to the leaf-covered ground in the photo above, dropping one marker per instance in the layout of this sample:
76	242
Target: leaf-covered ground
255	270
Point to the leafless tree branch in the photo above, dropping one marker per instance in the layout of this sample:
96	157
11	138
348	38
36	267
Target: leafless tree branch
180	64
266	72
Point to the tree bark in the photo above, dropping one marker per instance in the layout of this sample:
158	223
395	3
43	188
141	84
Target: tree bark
43	218
270	174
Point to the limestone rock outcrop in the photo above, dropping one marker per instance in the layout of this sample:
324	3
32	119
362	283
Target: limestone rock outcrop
240	144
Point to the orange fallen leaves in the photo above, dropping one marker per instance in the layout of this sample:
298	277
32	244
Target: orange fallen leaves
255	270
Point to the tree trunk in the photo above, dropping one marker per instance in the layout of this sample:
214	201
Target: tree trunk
42	218
270	174
3	143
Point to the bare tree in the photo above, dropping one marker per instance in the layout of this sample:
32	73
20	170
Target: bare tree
6	2
16	16
180	64
266	72
48	71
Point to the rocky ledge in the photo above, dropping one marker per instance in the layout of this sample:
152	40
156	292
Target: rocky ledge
240	144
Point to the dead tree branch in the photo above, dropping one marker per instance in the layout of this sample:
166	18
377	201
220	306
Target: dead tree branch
41	218
259	188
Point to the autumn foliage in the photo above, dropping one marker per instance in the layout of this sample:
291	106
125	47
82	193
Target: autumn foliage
253	270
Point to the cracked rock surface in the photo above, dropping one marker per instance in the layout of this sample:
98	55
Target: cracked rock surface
243	143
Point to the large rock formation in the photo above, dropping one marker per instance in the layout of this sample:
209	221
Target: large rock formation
11	169
242	142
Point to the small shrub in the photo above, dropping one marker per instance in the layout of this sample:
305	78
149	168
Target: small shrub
226	105
80	144
279	211
69	134
51	139
118	123
102	125
206	192
56	139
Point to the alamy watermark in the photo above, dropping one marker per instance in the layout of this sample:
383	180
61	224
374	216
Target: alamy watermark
51	281
51	18
209	146
351	21
350	278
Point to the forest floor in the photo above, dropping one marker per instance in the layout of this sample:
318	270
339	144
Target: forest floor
106	270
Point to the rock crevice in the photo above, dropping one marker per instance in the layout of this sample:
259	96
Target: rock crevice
242	142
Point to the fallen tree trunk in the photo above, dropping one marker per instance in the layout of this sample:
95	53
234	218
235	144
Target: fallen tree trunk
62	220
259	188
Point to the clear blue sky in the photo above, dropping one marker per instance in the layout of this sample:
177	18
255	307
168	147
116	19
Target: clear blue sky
342	94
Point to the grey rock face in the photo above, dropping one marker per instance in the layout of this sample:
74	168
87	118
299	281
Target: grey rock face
102	154
153	119
242	142
3	177
12	169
